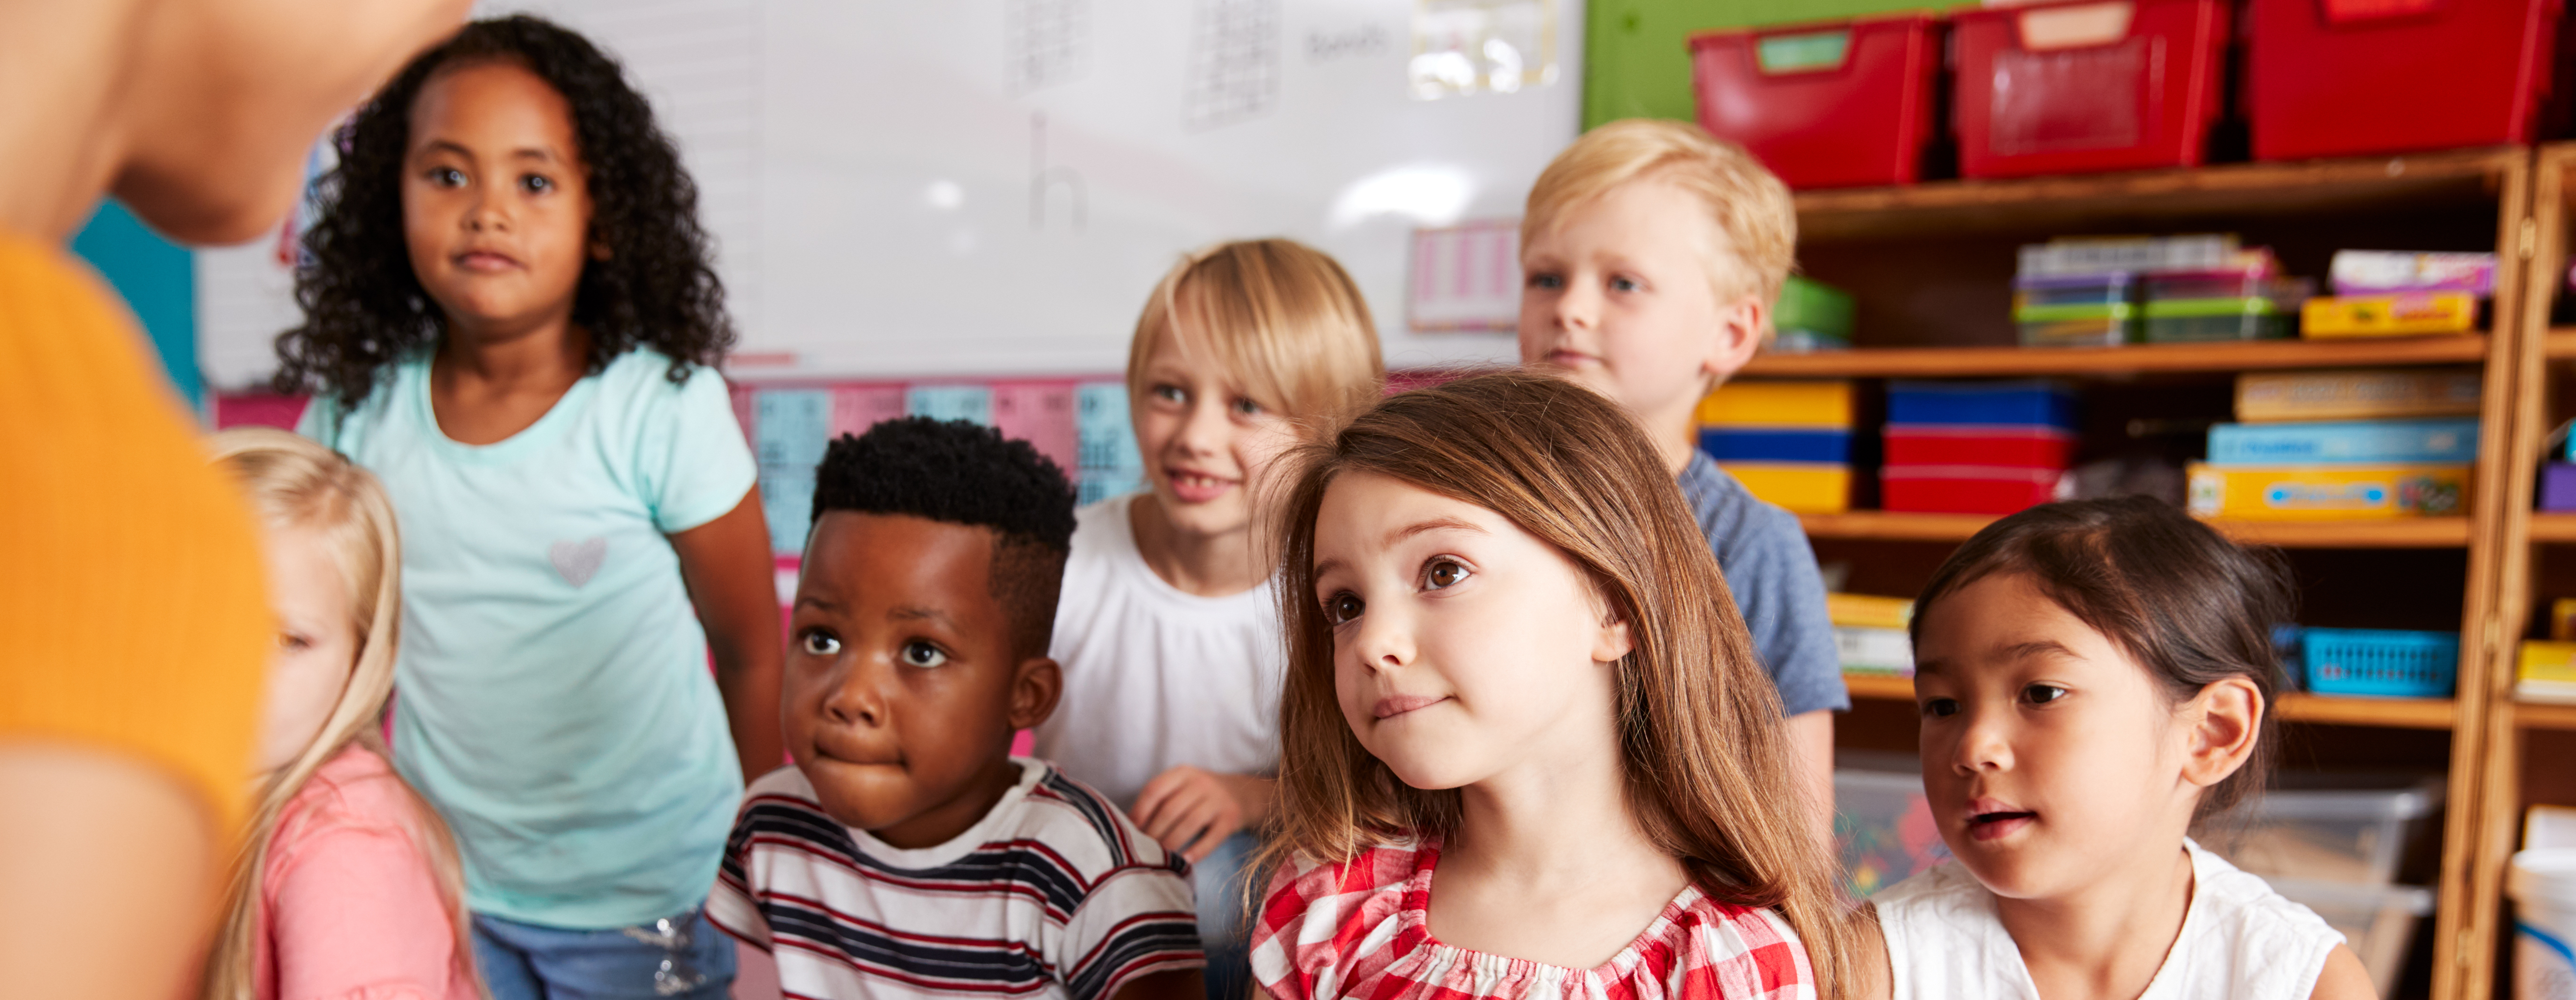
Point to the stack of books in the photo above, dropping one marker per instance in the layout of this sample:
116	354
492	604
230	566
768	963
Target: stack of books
1789	443
2299	455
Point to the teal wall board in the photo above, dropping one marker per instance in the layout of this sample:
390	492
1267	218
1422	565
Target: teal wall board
158	279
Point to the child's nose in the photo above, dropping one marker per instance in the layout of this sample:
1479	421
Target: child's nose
1384	642
858	700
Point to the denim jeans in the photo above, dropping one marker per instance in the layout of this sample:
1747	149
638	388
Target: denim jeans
1223	931
678	956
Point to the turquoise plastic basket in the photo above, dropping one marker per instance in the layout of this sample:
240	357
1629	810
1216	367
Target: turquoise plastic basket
2382	663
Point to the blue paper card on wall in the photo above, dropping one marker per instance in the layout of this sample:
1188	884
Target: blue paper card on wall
951	402
1106	443
790	428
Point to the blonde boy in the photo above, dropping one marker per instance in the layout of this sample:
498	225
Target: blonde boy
1651	254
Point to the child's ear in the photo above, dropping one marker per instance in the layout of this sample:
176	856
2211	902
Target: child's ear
2225	718
1614	640
1035	685
1739	336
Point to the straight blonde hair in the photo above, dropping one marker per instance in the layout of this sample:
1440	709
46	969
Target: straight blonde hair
1282	317
294	482
1703	744
1746	203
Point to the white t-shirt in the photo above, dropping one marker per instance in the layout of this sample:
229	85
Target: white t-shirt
1155	676
2239	939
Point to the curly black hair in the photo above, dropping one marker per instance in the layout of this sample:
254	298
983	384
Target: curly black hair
960	472
364	308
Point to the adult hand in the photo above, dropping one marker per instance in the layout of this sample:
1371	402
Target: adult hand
1191	810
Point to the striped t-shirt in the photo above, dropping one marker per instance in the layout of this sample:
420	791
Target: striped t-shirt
1052	894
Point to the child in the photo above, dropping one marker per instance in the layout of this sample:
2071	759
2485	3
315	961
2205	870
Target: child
346	882
1652	254
907	853
1511	660
2094	676
510	319
1168	636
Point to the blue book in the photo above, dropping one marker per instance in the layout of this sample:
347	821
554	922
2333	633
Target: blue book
2446	440
2023	402
1776	444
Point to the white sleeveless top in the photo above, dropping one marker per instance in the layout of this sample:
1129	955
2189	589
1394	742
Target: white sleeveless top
2239	940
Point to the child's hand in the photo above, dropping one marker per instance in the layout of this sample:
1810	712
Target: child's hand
1191	810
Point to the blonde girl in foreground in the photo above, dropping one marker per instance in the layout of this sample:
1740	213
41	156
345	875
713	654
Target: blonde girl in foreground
1512	660
347	884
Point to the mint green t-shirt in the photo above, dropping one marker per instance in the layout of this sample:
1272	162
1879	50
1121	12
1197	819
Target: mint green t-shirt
554	697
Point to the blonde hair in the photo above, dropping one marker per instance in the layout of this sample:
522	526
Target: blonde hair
294	482
1746	203
1702	739
1281	316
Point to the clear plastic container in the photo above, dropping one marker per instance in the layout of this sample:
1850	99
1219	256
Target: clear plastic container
2327	827
2073	290
2183	321
1882	824
2377	921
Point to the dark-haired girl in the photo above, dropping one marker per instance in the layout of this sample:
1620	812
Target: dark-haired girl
2093	677
510	319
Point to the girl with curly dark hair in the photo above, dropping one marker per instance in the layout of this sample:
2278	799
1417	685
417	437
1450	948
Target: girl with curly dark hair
509	317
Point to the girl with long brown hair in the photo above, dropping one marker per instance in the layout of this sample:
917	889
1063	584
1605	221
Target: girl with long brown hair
1512	660
347	883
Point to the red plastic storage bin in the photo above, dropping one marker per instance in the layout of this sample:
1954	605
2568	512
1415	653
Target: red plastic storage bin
1950	489
2356	77
2014	447
1829	104
2088	86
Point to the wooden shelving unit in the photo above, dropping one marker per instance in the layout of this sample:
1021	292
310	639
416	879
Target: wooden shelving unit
1930	266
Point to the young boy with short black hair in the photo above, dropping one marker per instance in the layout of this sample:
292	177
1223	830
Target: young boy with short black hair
907	854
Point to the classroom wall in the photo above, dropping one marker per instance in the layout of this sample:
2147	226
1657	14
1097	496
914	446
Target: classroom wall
158	279
1636	60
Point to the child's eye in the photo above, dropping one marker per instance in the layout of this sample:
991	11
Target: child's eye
446	176
537	183
1443	574
817	642
1342	607
922	654
1544	280
293	643
1623	284
1940	708
2041	694
1169	393
1246	408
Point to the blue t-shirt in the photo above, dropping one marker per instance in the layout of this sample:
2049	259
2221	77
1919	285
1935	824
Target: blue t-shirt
1772	572
556	704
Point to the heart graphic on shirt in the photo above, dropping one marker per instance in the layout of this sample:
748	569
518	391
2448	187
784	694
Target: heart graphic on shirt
578	561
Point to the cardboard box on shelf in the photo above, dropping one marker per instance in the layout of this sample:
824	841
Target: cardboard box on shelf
2327	492
2271	397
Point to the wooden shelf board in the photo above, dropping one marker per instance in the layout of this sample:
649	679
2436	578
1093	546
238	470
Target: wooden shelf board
1904	362
2553	527
2233	189
2544	715
2399	713
2401	533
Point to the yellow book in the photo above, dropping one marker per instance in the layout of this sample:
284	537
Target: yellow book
1779	404
2547	661
1868	611
1819	488
2327	492
2389	315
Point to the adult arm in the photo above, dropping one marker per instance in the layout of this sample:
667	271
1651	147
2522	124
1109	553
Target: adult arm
726	566
1190	810
99	851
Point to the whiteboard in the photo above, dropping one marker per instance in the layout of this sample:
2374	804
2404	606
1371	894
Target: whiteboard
928	188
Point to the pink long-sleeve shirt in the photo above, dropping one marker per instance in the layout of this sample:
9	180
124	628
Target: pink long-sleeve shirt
349	905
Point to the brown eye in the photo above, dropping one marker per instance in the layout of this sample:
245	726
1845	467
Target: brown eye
1343	606
1444	574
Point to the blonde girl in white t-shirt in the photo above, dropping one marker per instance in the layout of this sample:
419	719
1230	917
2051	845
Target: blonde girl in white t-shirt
2093	677
1168	630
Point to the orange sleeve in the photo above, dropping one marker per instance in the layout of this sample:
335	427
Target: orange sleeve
131	611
